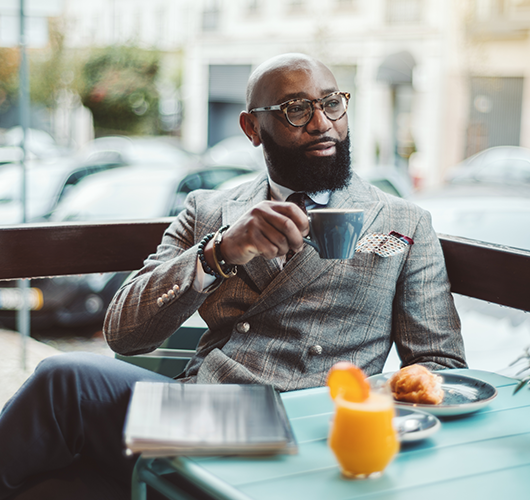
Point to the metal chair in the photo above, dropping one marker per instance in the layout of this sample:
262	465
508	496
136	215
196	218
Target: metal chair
173	355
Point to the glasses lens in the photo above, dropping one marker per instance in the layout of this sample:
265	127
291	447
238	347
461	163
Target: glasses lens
298	112
334	106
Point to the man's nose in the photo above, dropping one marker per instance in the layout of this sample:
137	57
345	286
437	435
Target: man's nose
319	122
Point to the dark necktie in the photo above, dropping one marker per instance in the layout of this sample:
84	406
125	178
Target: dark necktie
299	199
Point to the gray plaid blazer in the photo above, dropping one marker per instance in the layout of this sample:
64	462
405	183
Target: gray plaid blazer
288	327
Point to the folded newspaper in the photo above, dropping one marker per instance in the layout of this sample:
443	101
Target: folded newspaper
170	419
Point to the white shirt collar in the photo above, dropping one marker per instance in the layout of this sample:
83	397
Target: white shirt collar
280	193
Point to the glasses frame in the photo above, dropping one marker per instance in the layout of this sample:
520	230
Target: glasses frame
284	105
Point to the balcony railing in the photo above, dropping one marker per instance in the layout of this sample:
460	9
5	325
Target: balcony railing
494	273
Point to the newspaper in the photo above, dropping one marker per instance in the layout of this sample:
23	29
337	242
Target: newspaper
170	419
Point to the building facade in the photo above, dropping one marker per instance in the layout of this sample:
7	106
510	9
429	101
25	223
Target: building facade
432	81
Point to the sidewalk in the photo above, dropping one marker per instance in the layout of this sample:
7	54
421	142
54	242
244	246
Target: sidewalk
13	375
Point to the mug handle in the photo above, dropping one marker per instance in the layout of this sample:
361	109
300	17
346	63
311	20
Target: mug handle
309	241
312	243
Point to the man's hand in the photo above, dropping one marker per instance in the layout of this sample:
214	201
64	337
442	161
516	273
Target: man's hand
269	229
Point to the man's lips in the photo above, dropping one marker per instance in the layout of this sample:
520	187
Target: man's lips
326	148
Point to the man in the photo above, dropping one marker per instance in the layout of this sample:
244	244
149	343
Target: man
273	317
288	326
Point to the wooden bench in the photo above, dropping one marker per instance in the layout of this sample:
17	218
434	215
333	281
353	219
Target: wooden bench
493	273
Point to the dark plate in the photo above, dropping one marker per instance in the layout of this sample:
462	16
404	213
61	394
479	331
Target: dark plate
462	395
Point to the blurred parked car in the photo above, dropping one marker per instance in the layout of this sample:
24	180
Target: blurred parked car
494	214
140	150
499	165
46	184
137	192
39	145
48	181
10	154
123	193
388	179
494	336
236	150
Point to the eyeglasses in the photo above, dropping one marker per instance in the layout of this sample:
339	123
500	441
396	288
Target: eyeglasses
299	112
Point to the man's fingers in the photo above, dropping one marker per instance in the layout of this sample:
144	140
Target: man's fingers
295	214
269	244
269	229
291	223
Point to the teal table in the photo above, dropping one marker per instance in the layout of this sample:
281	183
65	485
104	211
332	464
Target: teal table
483	455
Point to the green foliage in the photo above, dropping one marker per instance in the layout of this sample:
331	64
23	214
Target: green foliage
9	63
525	381
116	83
45	72
118	86
521	384
49	69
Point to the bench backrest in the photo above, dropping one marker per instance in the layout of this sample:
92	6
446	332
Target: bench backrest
494	273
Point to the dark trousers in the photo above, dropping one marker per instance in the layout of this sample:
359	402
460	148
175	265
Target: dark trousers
61	434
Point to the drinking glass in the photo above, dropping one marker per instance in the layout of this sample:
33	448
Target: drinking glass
362	435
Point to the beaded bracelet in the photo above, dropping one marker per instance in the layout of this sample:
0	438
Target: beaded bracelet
224	269
200	253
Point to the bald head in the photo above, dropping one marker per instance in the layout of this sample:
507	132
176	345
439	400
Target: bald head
275	67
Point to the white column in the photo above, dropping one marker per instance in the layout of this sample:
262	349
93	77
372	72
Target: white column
195	101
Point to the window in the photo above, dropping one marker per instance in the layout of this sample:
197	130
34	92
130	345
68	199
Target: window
495	112
210	15
489	9
295	5
346	4
403	11
519	10
253	7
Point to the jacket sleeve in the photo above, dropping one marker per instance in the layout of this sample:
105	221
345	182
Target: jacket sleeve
151	306
425	325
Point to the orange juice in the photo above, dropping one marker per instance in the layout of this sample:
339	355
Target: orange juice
362	436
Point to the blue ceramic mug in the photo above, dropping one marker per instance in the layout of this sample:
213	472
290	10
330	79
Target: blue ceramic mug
334	232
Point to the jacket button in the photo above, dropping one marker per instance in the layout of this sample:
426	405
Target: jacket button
159	302
165	298
315	350
176	288
171	294
243	327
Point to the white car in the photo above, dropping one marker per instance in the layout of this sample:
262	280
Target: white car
236	150
47	181
508	165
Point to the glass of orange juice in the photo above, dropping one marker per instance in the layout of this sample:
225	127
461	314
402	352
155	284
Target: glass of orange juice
362	435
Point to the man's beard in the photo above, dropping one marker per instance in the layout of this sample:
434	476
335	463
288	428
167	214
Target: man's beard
291	167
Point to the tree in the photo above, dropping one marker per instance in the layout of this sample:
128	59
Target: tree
9	63
118	86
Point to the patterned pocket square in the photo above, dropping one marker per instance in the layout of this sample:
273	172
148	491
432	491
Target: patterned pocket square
384	245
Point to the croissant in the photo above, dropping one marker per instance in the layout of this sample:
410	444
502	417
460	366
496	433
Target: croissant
416	384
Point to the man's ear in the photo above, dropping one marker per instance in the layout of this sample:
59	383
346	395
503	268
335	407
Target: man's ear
250	126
